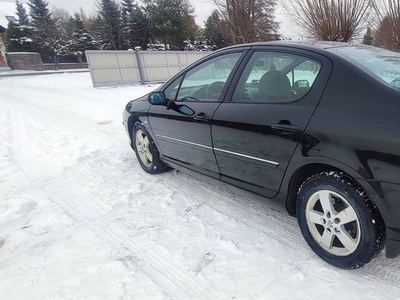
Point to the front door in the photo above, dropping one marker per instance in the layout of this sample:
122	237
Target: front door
182	130
258	127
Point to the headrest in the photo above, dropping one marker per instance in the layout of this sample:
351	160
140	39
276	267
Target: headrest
274	84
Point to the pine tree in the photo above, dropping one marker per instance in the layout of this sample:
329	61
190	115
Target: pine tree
368	37
47	40
135	29
111	25
23	19
95	28
127	6
81	39
139	28
126	30
13	35
171	21
19	34
214	31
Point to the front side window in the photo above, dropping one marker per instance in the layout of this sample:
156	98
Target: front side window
273	77
206	81
172	90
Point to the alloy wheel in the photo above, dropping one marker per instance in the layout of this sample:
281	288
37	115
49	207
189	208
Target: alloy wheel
333	223
143	148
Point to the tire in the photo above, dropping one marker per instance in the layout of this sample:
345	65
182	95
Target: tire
339	221
146	151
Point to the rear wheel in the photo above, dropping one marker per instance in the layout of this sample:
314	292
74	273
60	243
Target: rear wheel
146	151
339	221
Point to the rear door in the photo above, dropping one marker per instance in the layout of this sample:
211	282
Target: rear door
183	130
258	126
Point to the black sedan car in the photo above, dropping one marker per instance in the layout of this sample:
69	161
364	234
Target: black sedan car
313	127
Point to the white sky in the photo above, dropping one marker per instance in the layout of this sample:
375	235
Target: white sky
203	8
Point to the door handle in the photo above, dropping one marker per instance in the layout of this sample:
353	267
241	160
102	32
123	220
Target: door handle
200	117
285	126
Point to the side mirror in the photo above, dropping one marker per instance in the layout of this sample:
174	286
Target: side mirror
301	84
158	98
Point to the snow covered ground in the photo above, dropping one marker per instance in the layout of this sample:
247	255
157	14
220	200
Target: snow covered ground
79	219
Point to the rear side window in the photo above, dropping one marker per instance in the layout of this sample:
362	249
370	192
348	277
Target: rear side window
273	77
381	63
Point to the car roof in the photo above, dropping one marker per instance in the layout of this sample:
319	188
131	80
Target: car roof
306	45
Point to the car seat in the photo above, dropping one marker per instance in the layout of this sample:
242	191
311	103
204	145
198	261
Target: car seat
274	86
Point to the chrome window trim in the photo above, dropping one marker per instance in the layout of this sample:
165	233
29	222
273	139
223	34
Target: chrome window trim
248	156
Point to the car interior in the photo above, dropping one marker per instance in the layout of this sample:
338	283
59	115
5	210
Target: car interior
268	80
274	86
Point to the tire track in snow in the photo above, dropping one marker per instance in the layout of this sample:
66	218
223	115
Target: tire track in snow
249	212
383	272
81	208
156	267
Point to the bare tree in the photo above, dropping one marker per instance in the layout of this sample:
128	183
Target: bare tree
330	20
63	21
387	34
249	20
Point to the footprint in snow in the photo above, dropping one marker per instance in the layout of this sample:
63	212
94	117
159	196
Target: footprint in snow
26	207
190	208
207	259
132	263
104	122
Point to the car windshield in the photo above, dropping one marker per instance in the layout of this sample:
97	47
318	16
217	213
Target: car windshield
381	62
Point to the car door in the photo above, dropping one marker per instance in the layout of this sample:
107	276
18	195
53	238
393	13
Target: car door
182	130
259	125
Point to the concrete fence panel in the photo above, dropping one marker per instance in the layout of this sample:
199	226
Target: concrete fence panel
113	68
25	61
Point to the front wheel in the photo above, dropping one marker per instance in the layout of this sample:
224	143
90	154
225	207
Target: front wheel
339	221
146	151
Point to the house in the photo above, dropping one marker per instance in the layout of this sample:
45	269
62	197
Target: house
7	14
2	47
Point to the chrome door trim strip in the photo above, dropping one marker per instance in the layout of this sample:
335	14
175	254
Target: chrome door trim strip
248	156
182	141
217	149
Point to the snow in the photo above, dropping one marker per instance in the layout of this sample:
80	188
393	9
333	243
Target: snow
79	219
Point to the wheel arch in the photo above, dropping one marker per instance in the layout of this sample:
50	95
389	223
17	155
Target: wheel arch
303	172
131	121
297	179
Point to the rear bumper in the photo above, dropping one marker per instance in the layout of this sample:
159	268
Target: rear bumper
392	242
390	211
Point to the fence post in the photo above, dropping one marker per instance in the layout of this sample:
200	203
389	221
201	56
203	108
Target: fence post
119	65
88	53
179	61
141	69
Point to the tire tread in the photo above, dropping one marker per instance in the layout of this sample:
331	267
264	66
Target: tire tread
379	231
